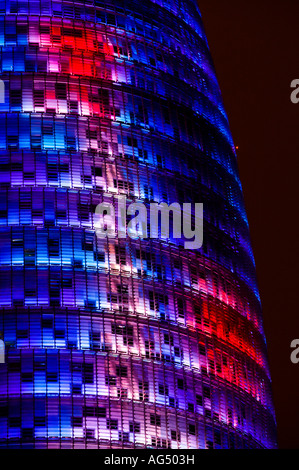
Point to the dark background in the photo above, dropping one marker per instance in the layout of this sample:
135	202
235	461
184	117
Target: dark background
255	48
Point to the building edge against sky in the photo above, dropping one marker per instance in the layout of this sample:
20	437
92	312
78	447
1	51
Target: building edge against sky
122	343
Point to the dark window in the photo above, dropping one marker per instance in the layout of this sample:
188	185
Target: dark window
76	389
87	374
175	435
97	171
134	427
59	334
163	389
14	422
89	433
112	424
155	420
181	384
191	429
77	421
52	377
27	434
191	407
110	380
27	377
39	421
121	371
199	400
60	90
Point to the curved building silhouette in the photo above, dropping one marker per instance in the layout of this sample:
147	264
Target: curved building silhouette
122	342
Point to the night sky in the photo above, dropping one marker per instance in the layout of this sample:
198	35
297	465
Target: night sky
255	48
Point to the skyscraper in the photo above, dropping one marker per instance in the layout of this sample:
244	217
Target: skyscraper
122	342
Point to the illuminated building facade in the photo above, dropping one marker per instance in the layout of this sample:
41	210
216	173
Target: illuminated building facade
122	343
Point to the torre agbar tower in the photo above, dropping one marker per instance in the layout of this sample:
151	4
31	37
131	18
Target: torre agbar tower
111	342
